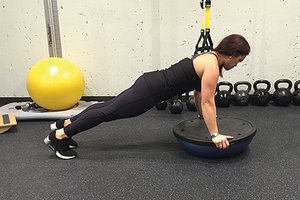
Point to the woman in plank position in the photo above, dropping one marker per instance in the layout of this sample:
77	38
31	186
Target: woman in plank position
199	73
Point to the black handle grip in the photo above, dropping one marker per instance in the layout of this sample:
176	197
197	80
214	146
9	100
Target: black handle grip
296	85
262	82
224	83
242	83
290	84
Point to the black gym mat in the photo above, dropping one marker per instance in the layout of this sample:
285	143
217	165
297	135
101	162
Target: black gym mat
139	158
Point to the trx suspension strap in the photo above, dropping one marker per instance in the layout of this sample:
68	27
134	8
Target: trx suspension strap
207	44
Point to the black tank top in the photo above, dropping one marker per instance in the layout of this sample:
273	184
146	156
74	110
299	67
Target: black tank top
178	79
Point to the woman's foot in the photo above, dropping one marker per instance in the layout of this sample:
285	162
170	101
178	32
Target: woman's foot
61	124
60	146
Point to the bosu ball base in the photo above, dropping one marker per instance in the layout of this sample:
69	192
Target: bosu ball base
194	137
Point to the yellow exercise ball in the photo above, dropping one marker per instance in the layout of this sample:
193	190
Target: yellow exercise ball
55	84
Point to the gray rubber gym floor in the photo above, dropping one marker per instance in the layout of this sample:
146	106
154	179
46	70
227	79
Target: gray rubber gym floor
139	158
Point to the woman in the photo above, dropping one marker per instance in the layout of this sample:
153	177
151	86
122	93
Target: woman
199	73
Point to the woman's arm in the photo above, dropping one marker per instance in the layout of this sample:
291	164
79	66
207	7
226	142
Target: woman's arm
208	88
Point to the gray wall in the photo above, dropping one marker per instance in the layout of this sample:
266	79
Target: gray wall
114	41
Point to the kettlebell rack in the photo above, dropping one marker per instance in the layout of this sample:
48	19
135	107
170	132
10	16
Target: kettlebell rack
261	96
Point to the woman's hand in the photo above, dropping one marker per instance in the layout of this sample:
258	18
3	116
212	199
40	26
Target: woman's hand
221	141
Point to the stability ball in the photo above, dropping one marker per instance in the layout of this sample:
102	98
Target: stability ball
55	84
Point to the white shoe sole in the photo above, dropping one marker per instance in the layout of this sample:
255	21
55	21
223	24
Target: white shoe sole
63	157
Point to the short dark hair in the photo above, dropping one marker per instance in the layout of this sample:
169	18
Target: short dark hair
233	45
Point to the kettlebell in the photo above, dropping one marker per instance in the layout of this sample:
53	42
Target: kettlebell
161	105
176	106
241	97
296	93
190	102
261	96
223	97
282	96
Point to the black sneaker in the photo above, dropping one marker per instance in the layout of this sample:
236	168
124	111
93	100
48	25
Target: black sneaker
60	124
60	147
72	143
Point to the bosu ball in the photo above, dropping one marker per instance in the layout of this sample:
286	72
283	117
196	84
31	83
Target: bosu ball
194	137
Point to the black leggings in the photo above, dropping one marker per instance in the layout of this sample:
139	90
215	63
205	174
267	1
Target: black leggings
132	102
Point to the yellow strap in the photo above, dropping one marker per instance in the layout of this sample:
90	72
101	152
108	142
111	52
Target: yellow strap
207	18
203	15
